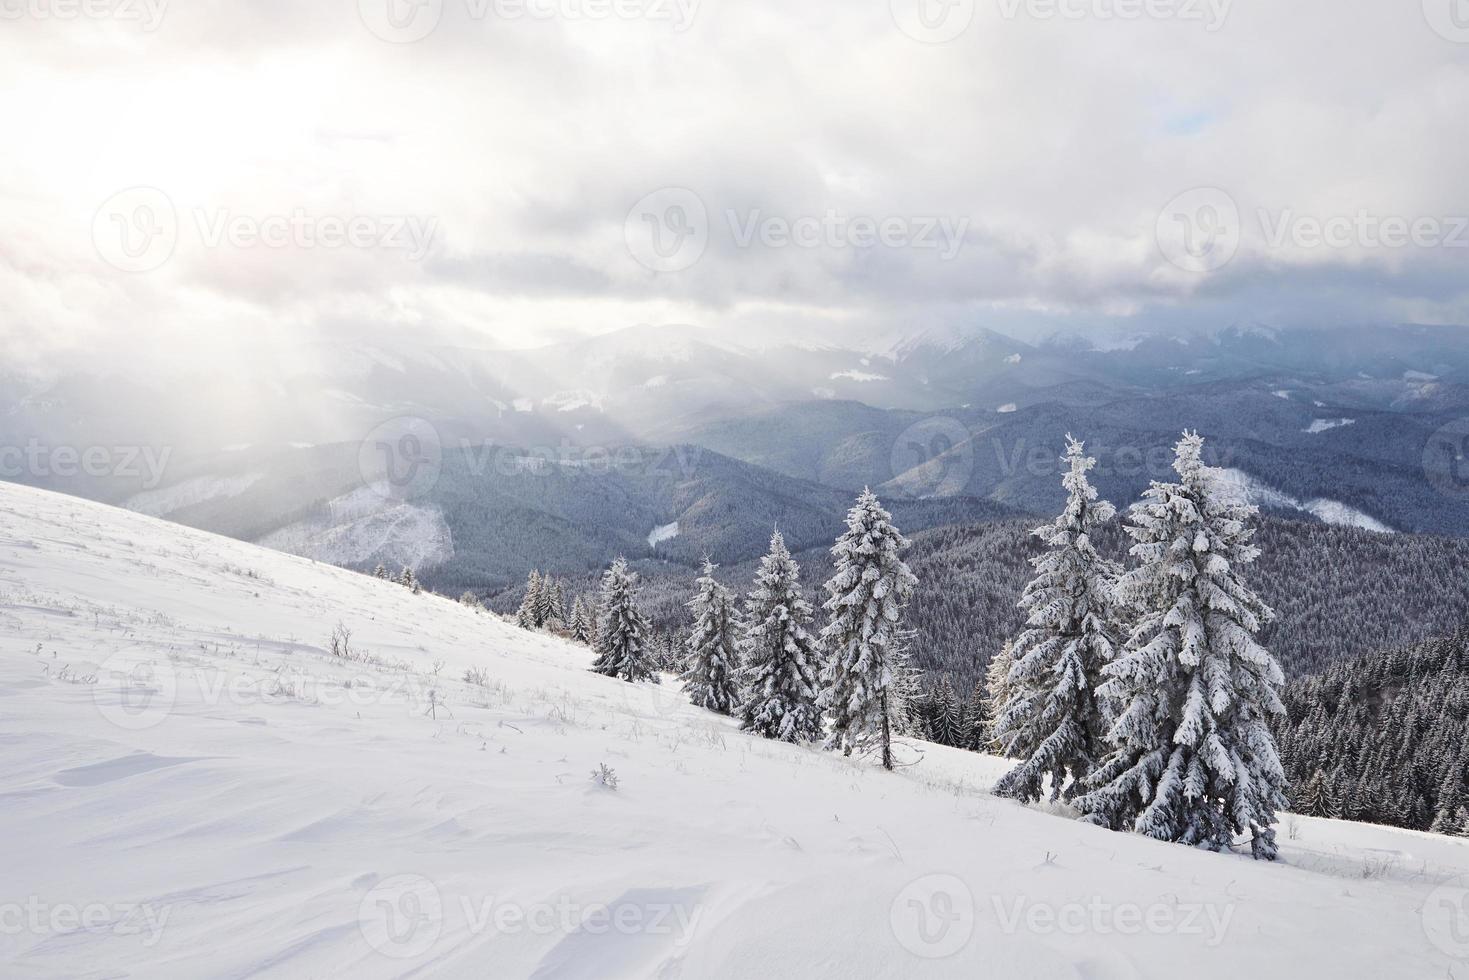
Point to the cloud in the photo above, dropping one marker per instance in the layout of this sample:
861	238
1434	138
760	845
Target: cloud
526	131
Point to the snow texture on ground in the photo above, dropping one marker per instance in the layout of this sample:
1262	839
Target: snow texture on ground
193	786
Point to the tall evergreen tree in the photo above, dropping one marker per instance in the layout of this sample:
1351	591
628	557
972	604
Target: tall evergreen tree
861	682
946	717
527	617
781	659
711	680
580	626
1051	719
622	631
997	691
1193	757
976	721
548	604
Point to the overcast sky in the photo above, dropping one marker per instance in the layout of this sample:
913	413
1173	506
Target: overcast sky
195	179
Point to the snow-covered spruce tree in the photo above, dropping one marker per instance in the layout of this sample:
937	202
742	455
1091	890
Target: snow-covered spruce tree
622	631
1051	719
549	614
525	616
977	722
381	571
408	580
711	680
946	718
1192	693
581	629
996	677
860	689
781	659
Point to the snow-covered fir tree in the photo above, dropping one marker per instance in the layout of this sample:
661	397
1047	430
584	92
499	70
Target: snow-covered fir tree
580	625
1051	719
977	722
408	580
527	616
381	571
548	611
1192	693
712	678
997	692
622	632
870	585
781	659
946	716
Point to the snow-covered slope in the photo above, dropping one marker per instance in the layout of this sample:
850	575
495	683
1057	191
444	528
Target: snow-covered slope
193	786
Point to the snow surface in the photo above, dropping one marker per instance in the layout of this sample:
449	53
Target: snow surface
1007	408
1330	511
227	800
663	532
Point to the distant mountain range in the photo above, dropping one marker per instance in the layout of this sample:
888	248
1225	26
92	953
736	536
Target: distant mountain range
665	444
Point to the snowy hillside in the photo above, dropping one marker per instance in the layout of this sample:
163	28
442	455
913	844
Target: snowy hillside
194	786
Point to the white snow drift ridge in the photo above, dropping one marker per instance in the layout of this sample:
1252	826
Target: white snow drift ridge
1328	511
194	785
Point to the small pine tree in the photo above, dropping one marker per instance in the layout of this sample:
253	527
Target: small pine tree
781	658
1051	718
1193	760
711	678
381	571
861	687
622	632
408	580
